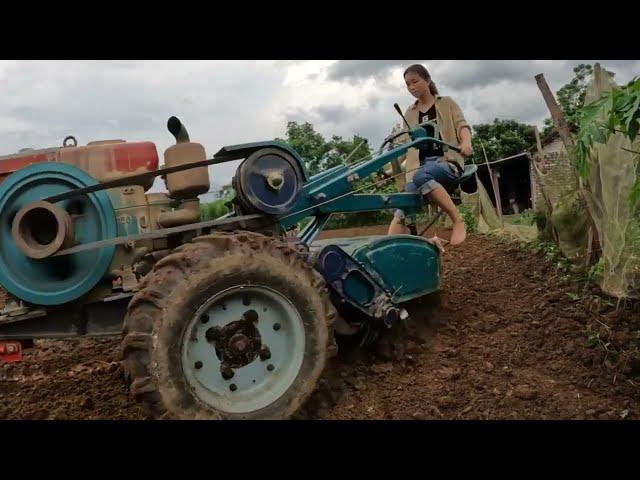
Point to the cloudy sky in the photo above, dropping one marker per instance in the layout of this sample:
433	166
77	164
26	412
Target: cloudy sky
228	102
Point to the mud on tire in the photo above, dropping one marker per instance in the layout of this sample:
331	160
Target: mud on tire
179	284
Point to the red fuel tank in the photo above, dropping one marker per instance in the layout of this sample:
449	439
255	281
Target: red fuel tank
103	160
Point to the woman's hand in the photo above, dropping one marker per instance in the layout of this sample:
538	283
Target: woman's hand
466	149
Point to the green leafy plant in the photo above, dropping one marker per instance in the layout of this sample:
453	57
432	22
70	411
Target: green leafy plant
593	339
526	218
213	210
596	270
470	220
620	109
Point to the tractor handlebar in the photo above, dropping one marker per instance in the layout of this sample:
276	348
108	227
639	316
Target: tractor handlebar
406	131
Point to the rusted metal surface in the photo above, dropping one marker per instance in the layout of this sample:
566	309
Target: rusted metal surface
189	213
135	179
10	352
41	229
104	161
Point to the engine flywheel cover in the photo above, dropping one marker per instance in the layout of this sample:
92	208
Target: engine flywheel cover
55	280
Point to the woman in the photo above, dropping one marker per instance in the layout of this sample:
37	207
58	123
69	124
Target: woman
429	169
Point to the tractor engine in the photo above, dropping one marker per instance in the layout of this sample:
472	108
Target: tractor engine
32	231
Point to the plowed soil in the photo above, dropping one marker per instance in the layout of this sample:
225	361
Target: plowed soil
509	337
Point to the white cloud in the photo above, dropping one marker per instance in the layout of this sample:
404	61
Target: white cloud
227	102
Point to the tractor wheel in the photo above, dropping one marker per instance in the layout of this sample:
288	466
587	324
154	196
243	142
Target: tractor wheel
231	326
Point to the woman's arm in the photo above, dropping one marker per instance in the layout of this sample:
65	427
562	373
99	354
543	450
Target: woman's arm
465	141
463	130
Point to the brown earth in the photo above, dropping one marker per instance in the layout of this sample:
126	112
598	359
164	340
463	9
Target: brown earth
512	337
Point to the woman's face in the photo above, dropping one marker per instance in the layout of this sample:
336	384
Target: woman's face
416	85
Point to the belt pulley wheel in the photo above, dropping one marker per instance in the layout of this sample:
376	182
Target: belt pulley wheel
269	181
87	218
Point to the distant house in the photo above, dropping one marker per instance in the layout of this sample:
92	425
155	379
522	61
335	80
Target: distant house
513	186
517	185
556	169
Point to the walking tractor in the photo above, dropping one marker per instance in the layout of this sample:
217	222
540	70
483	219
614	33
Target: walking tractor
220	319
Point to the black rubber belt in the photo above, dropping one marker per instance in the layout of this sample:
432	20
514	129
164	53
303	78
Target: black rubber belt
241	220
133	179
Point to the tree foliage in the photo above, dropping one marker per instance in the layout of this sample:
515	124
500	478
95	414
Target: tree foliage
217	208
571	97
501	138
320	154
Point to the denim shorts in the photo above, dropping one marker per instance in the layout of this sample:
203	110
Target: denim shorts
431	175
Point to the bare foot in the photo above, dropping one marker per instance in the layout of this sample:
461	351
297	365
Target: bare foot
438	242
458	233
397	228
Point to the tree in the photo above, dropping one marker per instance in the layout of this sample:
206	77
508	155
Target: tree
571	97
319	154
217	208
213	210
341	149
502	138
309	144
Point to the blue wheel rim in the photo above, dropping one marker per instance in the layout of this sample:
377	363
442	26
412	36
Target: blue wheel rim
260	381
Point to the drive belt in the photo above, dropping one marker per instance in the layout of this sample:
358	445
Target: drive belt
133	179
243	221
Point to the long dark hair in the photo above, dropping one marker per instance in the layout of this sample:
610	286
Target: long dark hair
424	74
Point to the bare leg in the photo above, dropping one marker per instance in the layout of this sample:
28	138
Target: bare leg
397	227
441	198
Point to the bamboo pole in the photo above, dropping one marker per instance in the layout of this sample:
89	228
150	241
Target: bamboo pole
496	195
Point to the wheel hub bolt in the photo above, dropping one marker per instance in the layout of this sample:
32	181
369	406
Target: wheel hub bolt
212	334
270	367
276	326
227	372
233	387
250	315
265	353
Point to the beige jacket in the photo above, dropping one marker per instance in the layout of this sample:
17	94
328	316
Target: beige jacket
450	122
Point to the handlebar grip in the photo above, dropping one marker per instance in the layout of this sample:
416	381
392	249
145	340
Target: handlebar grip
406	131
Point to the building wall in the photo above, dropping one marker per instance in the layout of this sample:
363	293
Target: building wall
558	174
